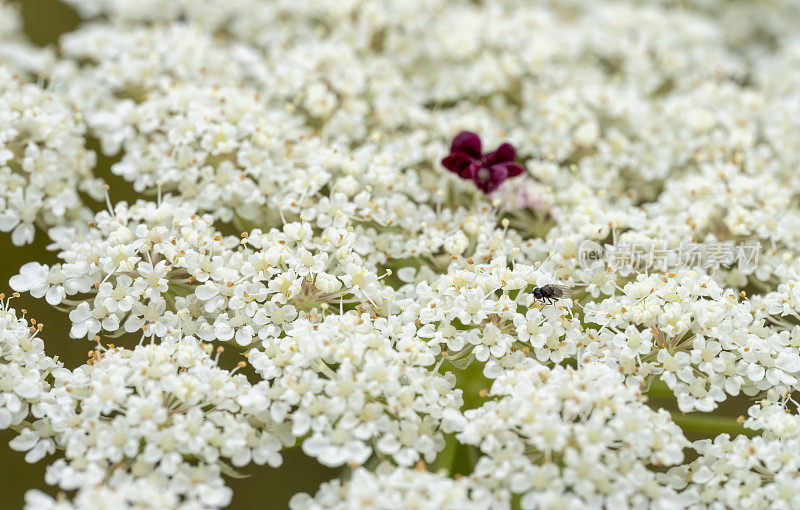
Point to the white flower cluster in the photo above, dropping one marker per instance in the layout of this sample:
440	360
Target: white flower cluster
572	438
158	421
288	201
44	164
15	52
357	386
10	21
487	311
388	488
203	484
752	472
162	268
704	342
26	372
224	133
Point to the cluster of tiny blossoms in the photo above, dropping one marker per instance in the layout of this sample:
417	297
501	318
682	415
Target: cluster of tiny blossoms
572	439
26	372
15	51
160	421
388	488
752	472
44	164
290	191
357	386
704	342
159	268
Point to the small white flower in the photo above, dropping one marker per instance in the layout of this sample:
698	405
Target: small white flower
40	281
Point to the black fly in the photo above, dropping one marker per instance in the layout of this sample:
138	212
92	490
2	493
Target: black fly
551	293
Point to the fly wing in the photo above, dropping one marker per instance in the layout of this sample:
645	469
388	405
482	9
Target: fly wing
562	291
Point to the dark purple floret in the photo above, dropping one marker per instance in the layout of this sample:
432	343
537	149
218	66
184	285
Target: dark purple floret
465	153
486	170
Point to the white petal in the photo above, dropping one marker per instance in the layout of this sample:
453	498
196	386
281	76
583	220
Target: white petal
134	323
206	291
27	390
23	234
55	295
788	362
5	419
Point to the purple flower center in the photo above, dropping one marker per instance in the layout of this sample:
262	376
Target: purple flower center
488	170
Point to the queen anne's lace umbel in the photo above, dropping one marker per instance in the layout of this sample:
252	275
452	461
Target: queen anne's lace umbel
355	201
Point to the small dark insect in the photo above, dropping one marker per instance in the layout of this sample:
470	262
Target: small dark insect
551	293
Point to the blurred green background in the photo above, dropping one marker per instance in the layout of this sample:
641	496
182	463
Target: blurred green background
263	487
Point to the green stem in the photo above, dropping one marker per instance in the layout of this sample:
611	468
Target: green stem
445	459
710	425
659	388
